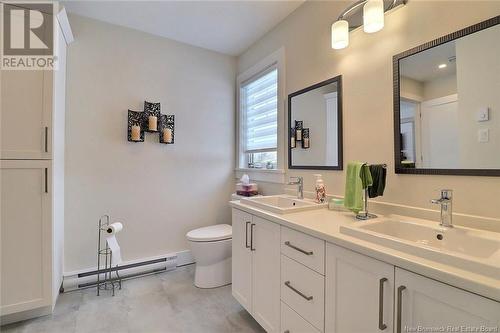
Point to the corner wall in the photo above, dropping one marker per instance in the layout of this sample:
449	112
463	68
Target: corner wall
158	191
366	67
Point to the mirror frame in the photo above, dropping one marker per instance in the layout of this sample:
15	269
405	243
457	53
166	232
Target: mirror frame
396	85
340	166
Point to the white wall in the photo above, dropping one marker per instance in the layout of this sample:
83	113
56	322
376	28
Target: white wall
478	72
158	191
366	67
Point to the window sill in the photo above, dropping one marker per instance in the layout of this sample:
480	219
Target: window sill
262	175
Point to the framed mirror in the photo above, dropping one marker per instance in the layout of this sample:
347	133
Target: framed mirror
315	126
447	104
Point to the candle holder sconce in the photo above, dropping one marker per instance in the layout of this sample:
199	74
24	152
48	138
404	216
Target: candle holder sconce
299	134
293	139
167	123
142	120
306	140
151	110
135	119
299	124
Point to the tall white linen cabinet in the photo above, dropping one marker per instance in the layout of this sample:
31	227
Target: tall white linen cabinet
32	184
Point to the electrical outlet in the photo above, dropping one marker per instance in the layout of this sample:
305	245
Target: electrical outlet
483	135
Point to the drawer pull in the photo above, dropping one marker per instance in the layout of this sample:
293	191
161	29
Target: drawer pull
46	139
400	308
251	237
307	253
309	298
246	234
46	180
381	325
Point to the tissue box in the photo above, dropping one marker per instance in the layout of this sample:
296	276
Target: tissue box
247	190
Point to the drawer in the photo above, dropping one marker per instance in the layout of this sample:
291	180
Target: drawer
291	322
303	290
307	250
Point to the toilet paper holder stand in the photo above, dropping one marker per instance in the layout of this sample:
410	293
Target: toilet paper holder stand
104	254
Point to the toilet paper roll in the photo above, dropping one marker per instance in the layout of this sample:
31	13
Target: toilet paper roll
116	256
114	228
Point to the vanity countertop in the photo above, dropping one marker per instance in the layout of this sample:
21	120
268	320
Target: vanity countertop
325	224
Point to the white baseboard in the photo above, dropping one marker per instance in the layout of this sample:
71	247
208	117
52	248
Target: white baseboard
24	315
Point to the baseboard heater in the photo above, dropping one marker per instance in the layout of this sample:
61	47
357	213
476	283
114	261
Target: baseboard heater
127	271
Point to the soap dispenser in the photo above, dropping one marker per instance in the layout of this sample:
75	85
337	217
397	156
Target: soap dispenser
320	189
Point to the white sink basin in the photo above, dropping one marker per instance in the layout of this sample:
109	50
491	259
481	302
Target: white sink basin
282	204
462	247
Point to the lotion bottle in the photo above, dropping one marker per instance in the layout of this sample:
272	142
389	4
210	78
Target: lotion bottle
320	189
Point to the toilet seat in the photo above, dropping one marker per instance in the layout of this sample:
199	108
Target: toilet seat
211	233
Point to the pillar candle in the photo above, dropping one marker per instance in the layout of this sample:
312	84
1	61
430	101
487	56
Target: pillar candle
167	135
136	133
305	143
298	133
153	122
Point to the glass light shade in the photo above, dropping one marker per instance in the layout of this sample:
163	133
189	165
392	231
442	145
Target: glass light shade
340	34
373	16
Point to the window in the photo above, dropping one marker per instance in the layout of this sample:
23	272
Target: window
259	120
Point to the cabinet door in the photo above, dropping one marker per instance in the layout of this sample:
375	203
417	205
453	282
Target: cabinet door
242	259
266	274
359	293
26	239
422	302
26	107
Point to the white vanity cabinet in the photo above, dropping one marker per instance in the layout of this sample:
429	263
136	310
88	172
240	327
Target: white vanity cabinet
359	293
291	282
302	280
256	268
367	295
423	302
242	259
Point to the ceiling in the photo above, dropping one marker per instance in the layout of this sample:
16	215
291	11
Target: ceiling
228	27
423	66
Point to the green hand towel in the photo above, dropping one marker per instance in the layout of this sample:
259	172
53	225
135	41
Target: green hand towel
358	177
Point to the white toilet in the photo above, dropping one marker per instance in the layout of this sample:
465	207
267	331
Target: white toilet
211	248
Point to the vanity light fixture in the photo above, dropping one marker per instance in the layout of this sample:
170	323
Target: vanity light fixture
373	16
373	19
340	34
441	66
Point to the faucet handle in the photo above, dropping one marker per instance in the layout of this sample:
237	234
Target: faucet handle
446	194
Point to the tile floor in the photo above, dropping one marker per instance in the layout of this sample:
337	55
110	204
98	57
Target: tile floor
166	302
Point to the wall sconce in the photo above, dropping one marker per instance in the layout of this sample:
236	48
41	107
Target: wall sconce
372	19
306	141
150	120
299	134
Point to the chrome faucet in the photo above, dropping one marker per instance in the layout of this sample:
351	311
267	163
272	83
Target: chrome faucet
300	186
446	202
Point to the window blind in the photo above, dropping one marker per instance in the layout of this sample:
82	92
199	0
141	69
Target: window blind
260	111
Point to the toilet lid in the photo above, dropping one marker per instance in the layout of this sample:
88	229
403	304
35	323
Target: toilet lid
211	233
